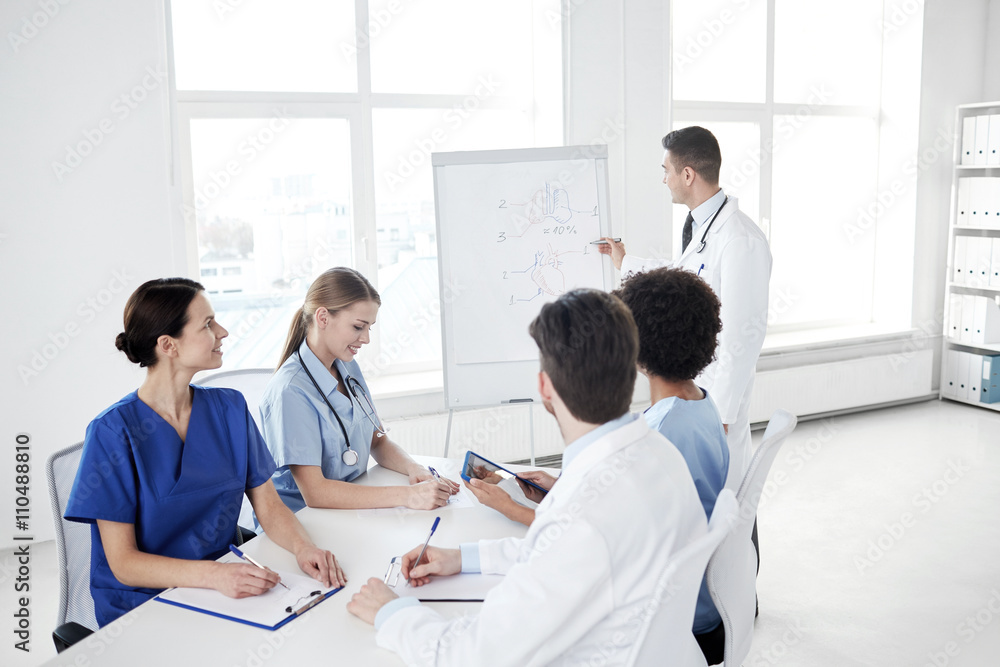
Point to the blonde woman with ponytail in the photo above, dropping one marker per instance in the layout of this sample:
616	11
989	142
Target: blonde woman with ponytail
318	420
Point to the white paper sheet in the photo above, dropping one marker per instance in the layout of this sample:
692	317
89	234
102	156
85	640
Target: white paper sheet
464	587
268	609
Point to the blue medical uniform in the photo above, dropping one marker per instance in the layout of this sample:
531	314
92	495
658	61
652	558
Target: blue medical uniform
300	430
183	497
695	428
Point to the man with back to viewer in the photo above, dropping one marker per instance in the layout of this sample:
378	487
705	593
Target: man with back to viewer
623	508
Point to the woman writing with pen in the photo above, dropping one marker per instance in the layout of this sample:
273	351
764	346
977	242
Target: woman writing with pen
317	414
164	470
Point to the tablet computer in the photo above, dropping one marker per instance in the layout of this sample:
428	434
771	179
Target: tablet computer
477	467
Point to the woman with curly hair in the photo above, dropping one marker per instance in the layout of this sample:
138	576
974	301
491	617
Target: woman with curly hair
677	314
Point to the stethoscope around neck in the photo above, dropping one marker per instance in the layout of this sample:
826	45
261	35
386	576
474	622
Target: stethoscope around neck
349	457
701	246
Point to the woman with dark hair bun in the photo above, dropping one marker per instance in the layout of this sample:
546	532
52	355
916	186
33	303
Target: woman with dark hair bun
164	470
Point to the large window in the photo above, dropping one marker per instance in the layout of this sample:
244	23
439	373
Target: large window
306	129
817	123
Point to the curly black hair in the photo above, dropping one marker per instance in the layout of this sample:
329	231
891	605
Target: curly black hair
677	314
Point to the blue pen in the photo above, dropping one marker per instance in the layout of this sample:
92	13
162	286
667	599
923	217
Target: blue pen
700	268
437	520
434	472
232	547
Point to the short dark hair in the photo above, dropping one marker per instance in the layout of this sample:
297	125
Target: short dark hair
588	345
697	148
157	308
677	315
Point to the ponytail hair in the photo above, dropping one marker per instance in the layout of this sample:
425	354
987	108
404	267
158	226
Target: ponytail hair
335	289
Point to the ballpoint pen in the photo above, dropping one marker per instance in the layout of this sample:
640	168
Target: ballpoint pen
434	472
232	547
437	520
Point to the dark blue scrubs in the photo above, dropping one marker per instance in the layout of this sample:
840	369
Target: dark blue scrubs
184	498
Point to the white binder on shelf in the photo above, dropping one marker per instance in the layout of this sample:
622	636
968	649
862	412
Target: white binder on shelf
964	188
995	263
987	201
993	143
968	140
949	384
962	375
975	376
984	256
982	140
985	321
958	272
955	316
979	194
992	221
972	261
968	318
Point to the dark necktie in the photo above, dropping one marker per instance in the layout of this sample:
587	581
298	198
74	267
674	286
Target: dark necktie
686	235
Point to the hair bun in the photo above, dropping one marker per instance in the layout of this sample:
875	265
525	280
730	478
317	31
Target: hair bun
121	342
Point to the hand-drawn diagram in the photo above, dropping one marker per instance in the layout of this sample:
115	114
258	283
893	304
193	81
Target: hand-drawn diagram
547	213
515	236
545	273
547	206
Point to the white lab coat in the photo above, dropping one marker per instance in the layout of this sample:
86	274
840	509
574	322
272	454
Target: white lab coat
737	266
577	582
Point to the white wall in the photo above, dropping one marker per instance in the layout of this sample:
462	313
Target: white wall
617	94
991	77
74	248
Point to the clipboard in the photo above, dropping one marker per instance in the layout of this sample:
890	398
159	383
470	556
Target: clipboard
268	611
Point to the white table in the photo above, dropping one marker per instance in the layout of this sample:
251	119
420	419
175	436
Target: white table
161	634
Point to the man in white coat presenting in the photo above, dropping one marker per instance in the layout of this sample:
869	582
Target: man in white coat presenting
723	246
579	582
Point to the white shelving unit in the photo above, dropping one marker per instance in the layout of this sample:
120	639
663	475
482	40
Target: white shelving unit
974	219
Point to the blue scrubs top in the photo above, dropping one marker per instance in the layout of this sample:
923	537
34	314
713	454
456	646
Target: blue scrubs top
695	428
183	497
300	430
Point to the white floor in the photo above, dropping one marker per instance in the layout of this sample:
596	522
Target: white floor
880	545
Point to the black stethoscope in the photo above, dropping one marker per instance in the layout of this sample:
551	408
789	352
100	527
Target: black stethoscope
701	246
350	457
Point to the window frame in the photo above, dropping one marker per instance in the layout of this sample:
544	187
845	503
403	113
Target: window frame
764	114
355	107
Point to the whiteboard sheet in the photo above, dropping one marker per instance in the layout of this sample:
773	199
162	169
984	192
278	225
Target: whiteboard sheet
527	241
514	232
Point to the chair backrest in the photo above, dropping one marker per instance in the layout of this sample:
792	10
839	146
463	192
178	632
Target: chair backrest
732	570
248	381
665	636
251	383
72	541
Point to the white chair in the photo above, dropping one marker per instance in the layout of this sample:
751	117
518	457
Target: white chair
732	570
75	616
250	382
665	637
